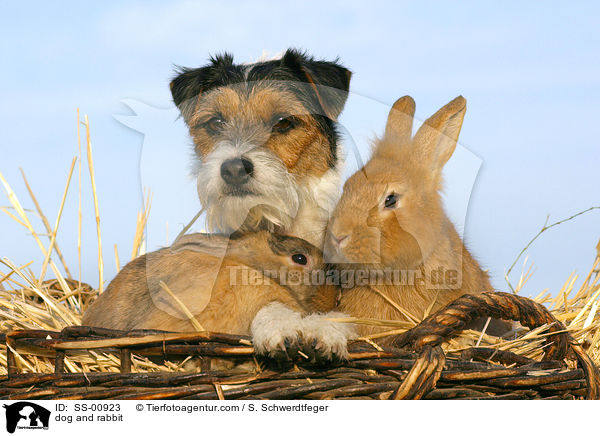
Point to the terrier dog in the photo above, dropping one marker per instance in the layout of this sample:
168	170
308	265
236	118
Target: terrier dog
268	158
266	141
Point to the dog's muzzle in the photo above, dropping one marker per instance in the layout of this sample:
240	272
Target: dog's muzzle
237	172
245	184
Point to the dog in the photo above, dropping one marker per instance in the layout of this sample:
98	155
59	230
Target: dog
265	140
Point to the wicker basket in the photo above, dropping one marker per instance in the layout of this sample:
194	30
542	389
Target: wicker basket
415	368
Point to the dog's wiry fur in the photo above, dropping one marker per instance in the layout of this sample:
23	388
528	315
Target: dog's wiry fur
236	111
276	121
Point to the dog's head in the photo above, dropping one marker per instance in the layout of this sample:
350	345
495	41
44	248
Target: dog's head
261	133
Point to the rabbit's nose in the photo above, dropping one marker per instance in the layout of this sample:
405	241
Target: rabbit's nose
340	241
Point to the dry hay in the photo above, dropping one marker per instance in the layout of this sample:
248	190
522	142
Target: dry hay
28	301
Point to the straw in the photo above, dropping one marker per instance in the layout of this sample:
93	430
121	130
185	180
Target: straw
140	226
55	231
96	208
27	303
183	307
79	203
46	223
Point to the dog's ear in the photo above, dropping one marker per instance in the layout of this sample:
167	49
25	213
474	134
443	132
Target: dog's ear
189	83
186	87
329	79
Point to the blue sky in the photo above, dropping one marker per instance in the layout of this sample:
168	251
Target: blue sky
530	74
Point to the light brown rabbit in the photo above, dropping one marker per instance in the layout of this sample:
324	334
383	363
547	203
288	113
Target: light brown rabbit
223	282
390	230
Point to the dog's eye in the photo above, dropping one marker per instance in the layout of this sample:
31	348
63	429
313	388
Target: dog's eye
391	201
283	125
299	258
214	124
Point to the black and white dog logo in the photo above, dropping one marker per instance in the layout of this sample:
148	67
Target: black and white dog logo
26	415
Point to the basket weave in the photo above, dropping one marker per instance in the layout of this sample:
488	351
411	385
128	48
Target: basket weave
414	368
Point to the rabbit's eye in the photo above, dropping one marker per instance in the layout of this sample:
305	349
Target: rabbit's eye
299	258
390	201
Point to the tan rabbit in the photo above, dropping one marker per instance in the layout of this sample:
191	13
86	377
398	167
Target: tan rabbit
226	283
389	231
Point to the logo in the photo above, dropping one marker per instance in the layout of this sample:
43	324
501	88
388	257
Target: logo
26	415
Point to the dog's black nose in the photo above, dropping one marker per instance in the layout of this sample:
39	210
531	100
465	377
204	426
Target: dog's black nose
237	171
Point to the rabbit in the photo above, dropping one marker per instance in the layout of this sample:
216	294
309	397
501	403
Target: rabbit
206	272
390	220
229	284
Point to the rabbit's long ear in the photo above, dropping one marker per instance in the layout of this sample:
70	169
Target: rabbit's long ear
398	129
400	120
435	140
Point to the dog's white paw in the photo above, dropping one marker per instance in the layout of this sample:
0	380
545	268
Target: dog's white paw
324	340
283	335
275	331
